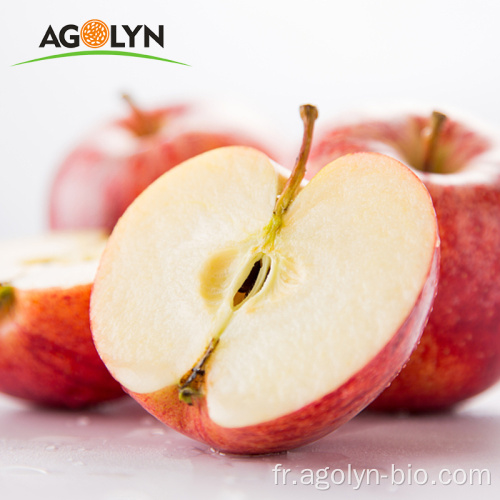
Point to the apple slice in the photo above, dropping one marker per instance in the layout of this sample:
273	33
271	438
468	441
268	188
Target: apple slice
256	322
46	351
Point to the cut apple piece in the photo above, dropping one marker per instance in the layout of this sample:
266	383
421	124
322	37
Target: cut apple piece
46	351
257	325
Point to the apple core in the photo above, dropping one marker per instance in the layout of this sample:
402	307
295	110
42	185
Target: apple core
254	272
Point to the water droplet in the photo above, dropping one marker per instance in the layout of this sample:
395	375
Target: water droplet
75	462
139	434
217	452
83	421
158	432
23	470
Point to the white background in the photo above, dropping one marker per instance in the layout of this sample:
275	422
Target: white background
268	56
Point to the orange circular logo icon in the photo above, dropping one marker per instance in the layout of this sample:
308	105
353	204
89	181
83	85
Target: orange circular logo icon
94	33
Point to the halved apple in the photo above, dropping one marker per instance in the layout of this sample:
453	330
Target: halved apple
46	351
256	322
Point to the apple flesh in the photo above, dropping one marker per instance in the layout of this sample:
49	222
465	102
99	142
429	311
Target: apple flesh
107	171
46	351
255	325
459	353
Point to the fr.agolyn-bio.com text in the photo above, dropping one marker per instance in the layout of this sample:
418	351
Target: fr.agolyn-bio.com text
323	479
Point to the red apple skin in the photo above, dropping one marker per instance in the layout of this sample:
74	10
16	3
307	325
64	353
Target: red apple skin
47	355
459	353
314	420
99	179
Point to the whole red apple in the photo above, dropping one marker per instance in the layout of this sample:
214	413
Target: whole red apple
46	351
101	177
459	353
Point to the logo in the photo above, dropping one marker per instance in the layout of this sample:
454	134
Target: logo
95	34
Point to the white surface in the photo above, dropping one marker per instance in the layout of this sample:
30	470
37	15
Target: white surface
269	56
119	452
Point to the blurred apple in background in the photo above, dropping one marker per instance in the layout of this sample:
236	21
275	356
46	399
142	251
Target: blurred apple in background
108	170
46	351
459	353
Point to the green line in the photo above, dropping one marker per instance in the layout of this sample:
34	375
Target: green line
101	53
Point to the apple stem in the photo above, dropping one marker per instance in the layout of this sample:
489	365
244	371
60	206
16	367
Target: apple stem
309	115
430	136
6	299
142	123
